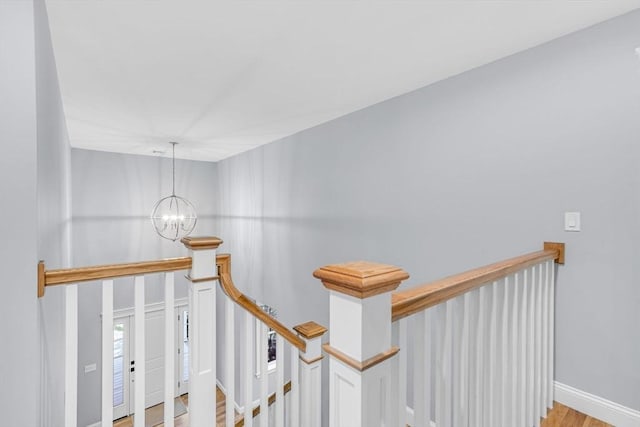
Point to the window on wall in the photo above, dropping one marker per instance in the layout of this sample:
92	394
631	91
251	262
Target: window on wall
269	351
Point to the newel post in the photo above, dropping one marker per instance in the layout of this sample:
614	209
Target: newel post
360	347
202	323
311	374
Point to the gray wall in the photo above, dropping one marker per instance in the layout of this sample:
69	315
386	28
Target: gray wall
113	195
19	370
474	169
54	218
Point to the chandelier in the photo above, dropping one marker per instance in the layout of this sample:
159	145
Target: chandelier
173	217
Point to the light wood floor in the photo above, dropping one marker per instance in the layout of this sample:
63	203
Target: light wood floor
183	420
562	416
559	416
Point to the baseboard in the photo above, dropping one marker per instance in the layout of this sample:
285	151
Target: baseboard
98	424
410	419
596	407
239	409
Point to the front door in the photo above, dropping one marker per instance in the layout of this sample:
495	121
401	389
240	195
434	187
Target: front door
154	363
124	363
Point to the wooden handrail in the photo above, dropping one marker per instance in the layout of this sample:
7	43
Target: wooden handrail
109	271
84	274
66	276
239	298
226	284
411	301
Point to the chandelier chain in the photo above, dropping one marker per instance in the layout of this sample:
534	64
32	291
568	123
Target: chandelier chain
173	182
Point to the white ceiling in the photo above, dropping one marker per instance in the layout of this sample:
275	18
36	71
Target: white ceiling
222	77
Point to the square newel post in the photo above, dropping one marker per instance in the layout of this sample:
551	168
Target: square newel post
311	374
360	346
202	335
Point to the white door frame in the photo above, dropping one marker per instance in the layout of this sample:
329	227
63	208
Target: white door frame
126	316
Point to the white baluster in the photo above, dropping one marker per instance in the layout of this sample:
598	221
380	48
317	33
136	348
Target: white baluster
229	336
295	388
499	361
506	363
440	325
107	353
461	390
449	362
481	348
248	368
399	375
140	356
551	338
530	348
71	356
474	368
279	381
421	369
545	338
490	381
537	368
466	360
515	342
524	327
444	378
264	376
169	349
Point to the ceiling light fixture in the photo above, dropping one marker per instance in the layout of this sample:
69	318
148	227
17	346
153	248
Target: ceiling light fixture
173	217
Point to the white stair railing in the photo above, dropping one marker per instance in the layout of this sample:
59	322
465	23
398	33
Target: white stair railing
481	352
300	407
202	274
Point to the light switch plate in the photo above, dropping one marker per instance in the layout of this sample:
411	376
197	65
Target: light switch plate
572	221
89	368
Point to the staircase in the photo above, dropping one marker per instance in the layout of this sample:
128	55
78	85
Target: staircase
481	353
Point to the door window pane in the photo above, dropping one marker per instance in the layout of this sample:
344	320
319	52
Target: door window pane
118	364
185	346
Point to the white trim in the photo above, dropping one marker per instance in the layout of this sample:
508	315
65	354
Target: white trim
98	424
239	408
410	417
596	407
148	308
593	406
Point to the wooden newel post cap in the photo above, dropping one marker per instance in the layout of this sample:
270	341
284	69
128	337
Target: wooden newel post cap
310	330
200	243
361	279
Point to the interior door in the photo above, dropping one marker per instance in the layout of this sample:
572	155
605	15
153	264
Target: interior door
121	367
